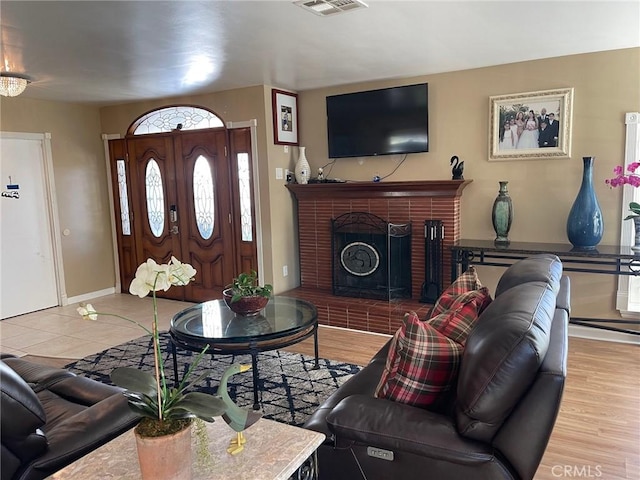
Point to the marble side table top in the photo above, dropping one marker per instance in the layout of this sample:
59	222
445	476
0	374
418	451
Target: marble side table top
273	451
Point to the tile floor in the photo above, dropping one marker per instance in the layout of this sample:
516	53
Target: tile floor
61	332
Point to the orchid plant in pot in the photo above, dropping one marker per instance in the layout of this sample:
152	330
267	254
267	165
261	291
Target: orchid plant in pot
631	178
165	410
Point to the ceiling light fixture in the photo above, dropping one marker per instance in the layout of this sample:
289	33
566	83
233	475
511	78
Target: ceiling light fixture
13	84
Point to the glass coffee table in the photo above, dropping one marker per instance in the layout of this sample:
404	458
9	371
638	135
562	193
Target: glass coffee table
283	322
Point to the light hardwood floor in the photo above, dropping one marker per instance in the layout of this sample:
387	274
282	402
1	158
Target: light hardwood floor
597	434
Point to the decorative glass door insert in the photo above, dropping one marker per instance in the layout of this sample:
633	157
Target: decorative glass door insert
155	198
203	197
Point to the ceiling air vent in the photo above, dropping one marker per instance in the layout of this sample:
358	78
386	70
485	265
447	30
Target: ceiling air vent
325	8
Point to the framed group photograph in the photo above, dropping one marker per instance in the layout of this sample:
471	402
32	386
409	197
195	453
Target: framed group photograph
285	117
531	125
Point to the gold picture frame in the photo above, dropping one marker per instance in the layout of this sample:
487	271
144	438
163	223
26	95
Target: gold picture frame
531	125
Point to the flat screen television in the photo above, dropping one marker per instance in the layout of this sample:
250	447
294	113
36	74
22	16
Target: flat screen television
378	122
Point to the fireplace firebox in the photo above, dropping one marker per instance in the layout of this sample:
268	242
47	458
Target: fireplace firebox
371	257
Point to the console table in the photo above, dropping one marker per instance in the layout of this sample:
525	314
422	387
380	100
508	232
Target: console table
605	259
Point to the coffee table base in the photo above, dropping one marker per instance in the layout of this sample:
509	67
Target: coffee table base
252	349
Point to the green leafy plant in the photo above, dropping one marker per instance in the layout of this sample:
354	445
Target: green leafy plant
165	410
246	285
635	208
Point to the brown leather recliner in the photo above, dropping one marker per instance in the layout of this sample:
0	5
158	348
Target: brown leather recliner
498	422
50	417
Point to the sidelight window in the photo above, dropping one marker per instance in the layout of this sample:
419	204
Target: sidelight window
244	184
155	198
124	197
203	197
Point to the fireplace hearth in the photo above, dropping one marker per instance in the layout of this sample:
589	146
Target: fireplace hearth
371	257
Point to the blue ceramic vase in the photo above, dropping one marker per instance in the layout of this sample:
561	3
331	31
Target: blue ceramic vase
584	225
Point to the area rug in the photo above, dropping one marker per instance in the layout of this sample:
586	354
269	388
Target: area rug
289	389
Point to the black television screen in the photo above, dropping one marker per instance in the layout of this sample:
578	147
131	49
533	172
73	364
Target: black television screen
378	122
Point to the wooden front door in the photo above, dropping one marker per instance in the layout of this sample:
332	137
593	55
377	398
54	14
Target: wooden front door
180	201
205	213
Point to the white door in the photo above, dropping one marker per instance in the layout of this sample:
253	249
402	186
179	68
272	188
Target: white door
28	279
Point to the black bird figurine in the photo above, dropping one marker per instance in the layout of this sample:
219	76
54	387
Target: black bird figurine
237	418
458	168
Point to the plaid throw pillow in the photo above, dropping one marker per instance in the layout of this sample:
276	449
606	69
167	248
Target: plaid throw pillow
465	283
457	321
421	365
424	357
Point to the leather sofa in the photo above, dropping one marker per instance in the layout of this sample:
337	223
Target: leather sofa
50	417
498	421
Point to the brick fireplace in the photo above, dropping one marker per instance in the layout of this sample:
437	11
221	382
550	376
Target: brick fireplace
397	202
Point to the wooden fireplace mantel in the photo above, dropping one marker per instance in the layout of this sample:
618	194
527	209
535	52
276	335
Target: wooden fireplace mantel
422	188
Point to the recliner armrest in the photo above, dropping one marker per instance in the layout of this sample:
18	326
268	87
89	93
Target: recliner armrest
86	431
399	427
22	417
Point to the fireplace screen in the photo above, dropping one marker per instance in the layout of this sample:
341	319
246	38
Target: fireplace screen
371	257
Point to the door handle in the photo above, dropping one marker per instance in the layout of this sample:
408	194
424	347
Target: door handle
174	230
173	214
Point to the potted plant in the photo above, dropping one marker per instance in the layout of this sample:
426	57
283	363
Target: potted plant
632	179
245	296
167	413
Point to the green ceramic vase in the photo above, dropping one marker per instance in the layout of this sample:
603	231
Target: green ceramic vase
502	214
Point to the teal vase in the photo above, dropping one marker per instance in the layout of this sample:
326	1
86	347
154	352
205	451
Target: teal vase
585	226
502	214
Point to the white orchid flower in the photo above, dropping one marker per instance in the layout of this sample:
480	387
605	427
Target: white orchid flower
87	312
150	277
180	274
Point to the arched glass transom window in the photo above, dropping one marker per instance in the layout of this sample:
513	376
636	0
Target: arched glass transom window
179	117
155	198
203	195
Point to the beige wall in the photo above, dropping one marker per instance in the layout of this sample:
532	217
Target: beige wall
81	185
606	85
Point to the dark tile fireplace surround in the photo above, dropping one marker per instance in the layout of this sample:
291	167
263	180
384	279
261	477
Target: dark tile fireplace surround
398	203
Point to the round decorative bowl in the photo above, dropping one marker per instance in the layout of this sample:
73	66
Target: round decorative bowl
246	306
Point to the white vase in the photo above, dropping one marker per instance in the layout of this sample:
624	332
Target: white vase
302	170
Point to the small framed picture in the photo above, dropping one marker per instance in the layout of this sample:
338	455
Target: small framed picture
285	117
531	125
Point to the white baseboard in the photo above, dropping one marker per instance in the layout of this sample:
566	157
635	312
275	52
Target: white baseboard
580	331
574	331
355	330
90	296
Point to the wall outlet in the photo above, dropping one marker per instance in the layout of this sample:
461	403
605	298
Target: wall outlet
285	270
279	175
